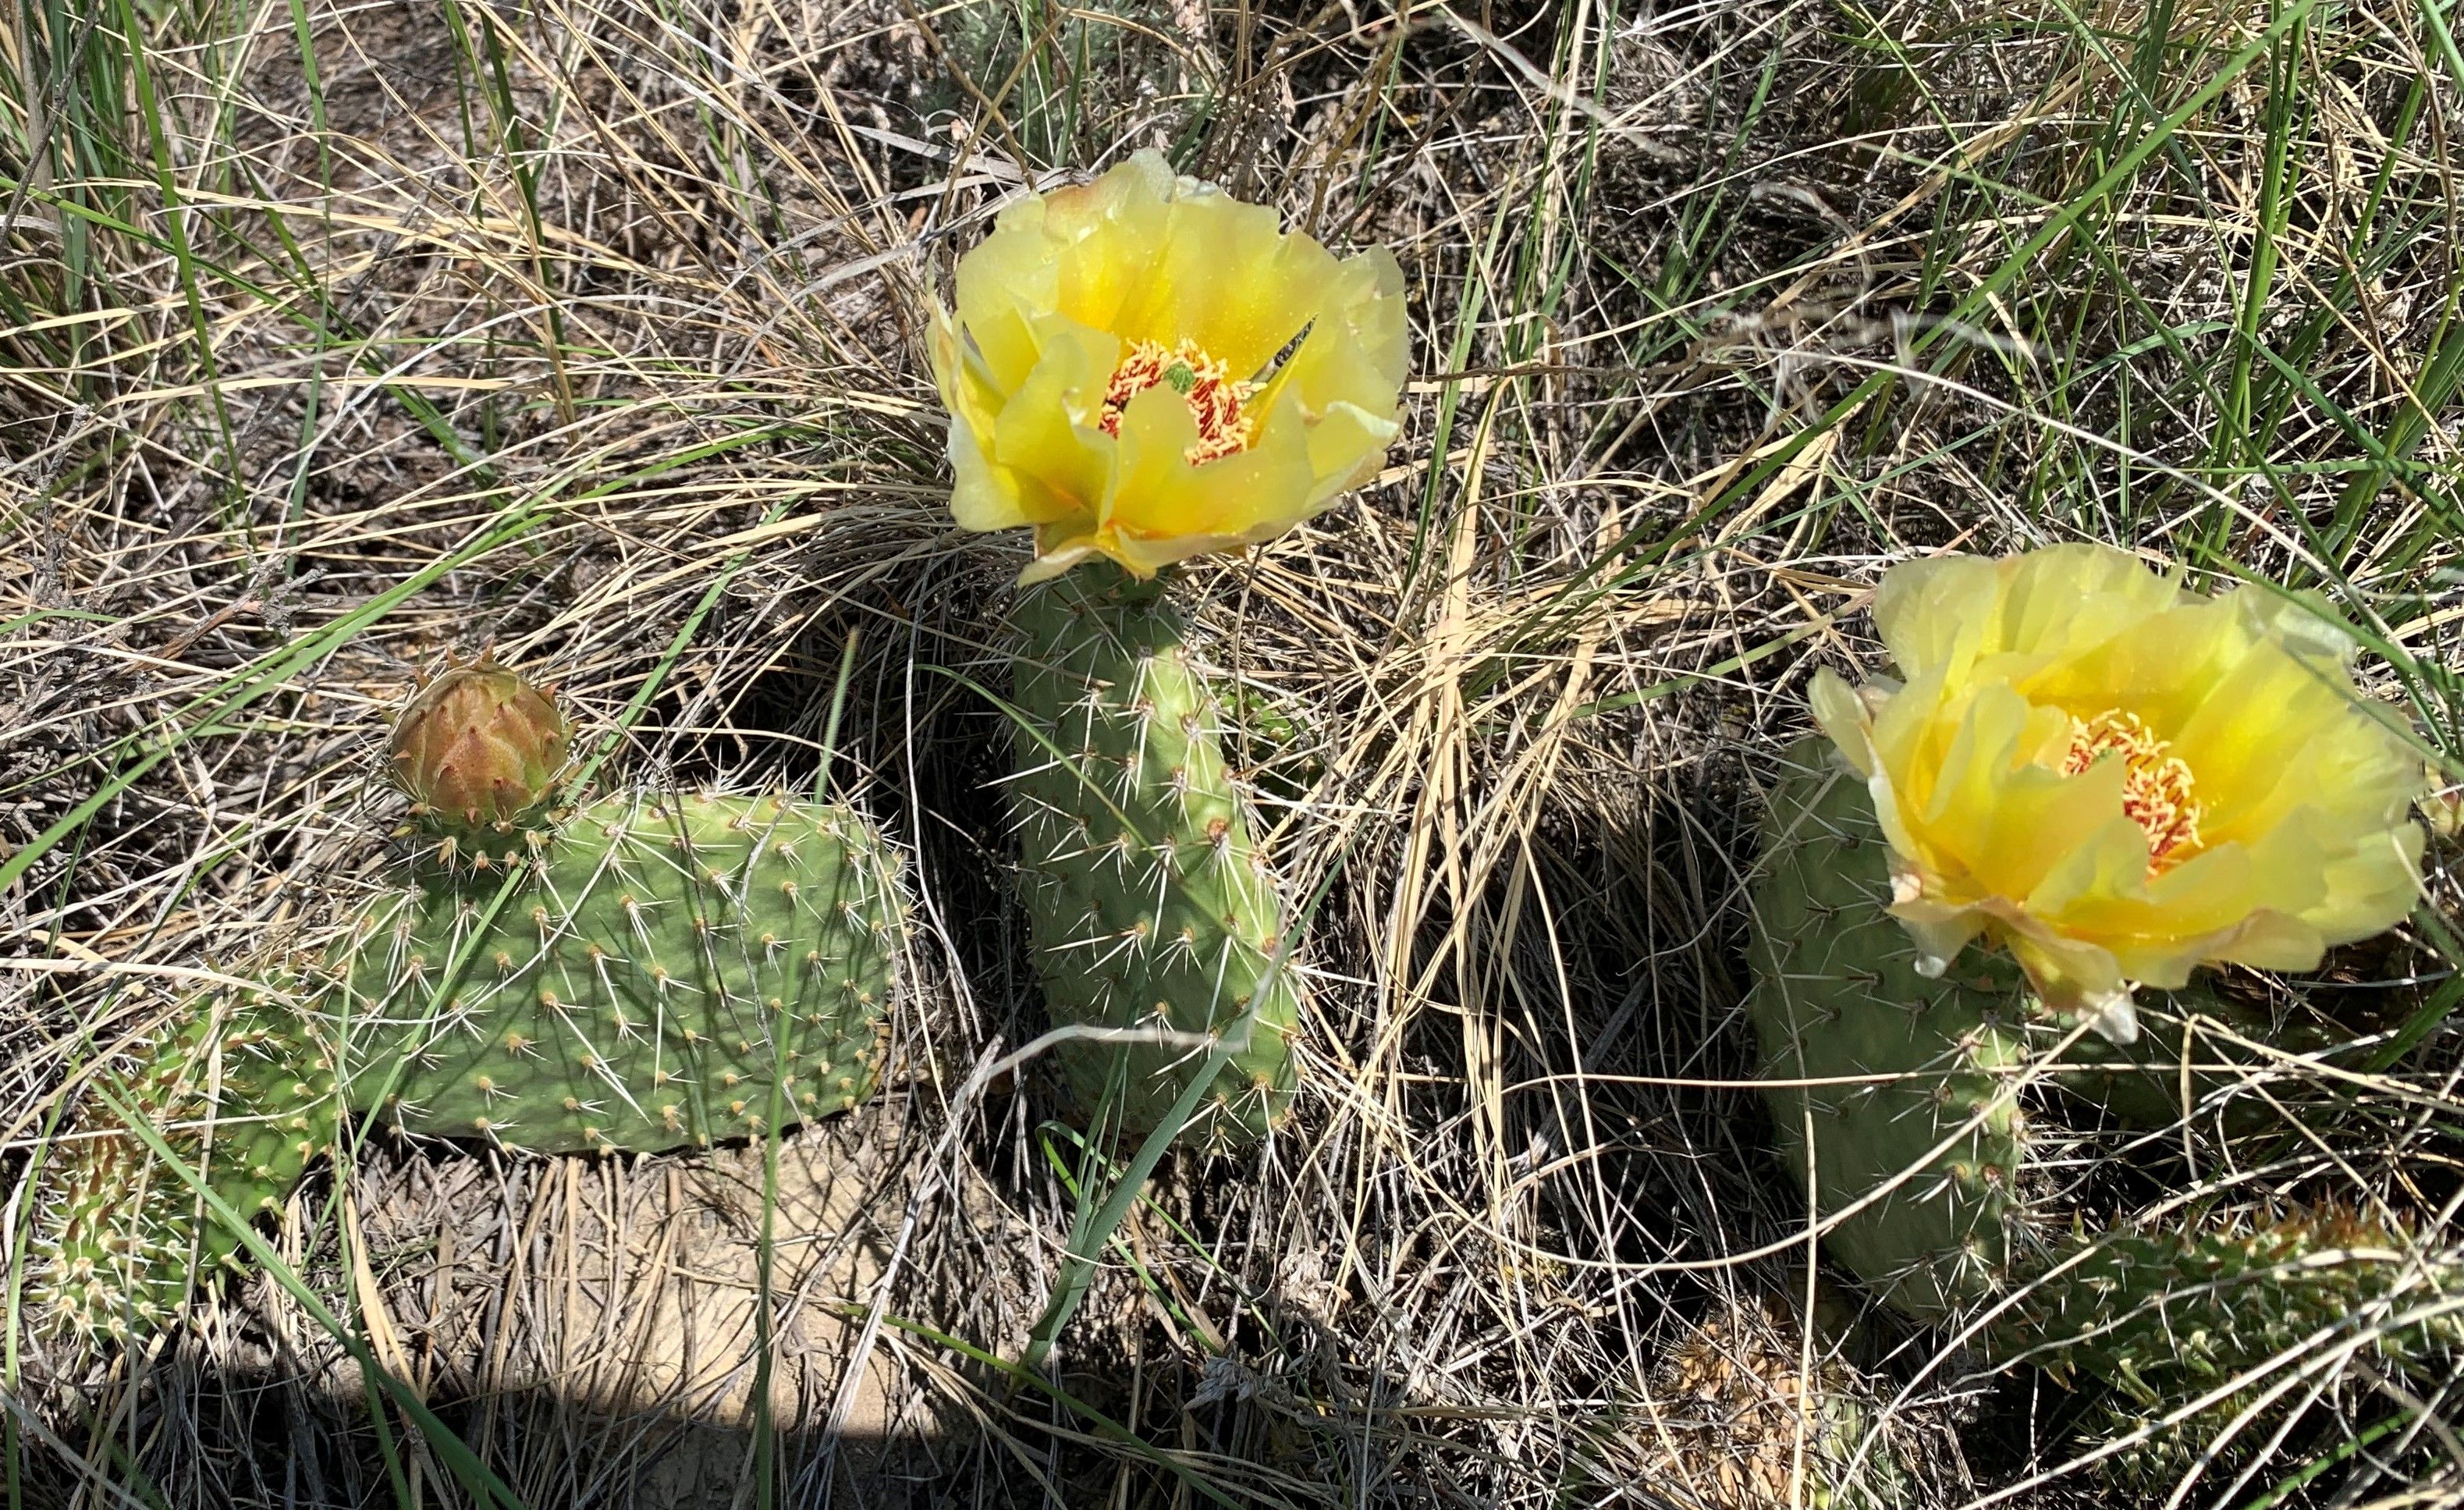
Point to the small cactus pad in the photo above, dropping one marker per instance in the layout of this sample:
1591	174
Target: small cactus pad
1744	1425
237	1090
1147	897
2165	1314
481	749
1900	1063
2169	1317
643	984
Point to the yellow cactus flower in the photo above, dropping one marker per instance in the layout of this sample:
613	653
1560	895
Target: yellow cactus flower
2119	779
1113	378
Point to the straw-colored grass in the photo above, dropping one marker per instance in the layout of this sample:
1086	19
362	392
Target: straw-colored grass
336	334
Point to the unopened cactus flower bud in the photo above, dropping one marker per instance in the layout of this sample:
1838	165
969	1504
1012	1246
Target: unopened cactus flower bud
480	748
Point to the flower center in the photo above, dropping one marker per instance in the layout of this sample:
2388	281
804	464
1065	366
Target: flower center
2156	787
1213	394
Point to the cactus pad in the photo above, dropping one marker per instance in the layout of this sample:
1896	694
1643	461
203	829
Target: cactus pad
2170	1317
1147	897
1900	1063
243	1096
2165	1314
642	984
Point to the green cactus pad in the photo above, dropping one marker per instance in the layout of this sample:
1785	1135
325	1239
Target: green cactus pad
2167	1313
641	986
1148	898
2142	1084
1910	1061
239	1091
2167	1316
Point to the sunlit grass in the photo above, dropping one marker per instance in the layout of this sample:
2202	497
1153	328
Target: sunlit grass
332	336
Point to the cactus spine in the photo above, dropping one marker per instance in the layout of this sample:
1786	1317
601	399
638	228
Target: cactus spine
1149	898
1913	1075
2165	1314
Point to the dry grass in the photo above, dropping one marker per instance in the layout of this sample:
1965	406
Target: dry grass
333	334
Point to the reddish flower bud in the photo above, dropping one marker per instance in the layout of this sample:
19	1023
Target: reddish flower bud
480	748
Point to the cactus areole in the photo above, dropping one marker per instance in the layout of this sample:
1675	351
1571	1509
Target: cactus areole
480	750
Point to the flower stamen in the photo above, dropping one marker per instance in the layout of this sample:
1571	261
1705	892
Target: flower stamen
2156	783
1214	395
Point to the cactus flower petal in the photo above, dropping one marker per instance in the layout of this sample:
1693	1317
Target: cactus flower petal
1122	375
2120	780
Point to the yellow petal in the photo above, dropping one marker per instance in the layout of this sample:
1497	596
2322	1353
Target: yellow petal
2074	976
1058	548
1357	349
1232	282
1160	498
1049	430
1107	240
1003	286
1844	718
987	495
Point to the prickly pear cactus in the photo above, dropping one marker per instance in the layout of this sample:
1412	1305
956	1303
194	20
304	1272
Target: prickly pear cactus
2169	1318
243	1093
1893	1100
644	973
1874	1071
668	971
2164	1313
1147	894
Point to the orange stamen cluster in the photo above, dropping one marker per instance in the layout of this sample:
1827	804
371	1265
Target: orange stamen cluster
1214	395
2156	786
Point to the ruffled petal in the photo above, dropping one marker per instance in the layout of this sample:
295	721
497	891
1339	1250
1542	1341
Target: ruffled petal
987	495
1050	430
1160	496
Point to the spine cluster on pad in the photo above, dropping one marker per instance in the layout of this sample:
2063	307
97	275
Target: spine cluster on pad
1895	1097
1149	900
2199	1331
